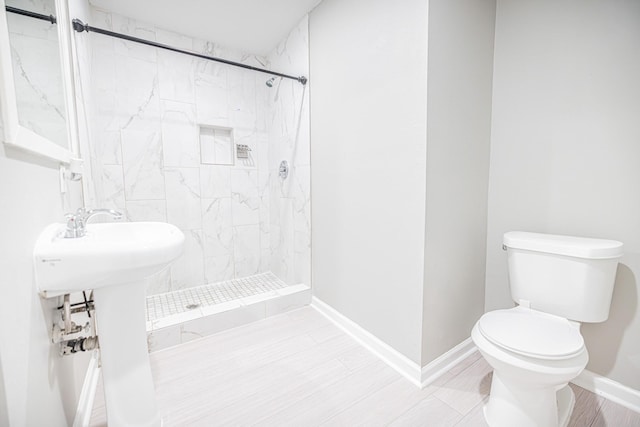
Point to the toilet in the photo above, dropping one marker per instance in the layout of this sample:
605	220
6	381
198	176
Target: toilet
536	348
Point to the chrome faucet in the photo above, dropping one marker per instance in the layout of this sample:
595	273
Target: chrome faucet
76	222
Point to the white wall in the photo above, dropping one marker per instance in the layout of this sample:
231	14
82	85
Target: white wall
37	386
461	34
368	127
565	149
40	388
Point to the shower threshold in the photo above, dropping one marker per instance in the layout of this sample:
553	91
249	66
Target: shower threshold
180	316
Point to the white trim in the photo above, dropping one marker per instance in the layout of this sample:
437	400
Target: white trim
448	360
406	367
392	357
65	33
28	140
421	377
88	393
13	133
609	389
8	104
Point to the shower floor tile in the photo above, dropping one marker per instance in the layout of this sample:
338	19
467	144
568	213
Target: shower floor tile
187	304
177	317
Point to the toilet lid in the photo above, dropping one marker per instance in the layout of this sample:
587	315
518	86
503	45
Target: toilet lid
531	333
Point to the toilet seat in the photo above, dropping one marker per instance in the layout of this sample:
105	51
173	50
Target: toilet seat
531	333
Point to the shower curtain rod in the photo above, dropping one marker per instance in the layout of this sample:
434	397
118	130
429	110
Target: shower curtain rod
80	26
30	14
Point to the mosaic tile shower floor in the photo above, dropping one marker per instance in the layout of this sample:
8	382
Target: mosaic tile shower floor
181	301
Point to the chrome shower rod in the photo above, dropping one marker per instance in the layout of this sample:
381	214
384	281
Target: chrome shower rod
80	26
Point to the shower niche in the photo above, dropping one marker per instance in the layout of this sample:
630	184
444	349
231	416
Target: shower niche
198	144
216	145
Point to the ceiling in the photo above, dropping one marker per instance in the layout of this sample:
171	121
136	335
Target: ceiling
253	26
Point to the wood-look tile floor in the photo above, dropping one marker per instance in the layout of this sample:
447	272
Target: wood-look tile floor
298	369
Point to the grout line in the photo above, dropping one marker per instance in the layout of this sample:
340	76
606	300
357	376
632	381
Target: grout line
176	302
361	397
482	402
595	416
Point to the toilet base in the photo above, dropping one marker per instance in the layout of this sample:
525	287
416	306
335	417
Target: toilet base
566	402
511	405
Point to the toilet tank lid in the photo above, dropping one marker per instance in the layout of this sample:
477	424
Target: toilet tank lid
579	247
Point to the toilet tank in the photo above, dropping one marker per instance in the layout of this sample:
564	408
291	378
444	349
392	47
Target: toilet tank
571	277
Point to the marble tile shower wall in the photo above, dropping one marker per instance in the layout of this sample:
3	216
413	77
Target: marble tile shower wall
289	139
148	104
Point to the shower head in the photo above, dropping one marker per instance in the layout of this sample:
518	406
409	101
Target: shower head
270	81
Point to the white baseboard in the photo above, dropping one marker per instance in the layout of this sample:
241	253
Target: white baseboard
448	360
88	393
421	377
609	389
392	357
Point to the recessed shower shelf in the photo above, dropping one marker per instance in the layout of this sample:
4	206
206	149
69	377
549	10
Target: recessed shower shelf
177	317
216	145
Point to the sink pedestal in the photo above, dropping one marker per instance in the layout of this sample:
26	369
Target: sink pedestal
126	371
115	260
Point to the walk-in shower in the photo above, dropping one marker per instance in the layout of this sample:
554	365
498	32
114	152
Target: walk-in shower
183	136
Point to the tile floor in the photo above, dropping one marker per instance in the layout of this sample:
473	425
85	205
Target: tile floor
298	369
172	303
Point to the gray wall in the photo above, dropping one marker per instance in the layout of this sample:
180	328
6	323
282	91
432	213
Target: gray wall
399	178
368	110
461	36
565	149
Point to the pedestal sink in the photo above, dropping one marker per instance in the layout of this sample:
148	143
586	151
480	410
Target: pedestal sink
114	260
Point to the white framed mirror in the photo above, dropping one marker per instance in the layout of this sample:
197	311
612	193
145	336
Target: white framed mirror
36	80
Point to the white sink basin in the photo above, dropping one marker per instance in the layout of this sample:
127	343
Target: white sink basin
109	254
114	260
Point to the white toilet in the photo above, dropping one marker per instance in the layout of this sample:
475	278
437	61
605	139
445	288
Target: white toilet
536	348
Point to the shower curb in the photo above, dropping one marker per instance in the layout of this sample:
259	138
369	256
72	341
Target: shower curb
188	326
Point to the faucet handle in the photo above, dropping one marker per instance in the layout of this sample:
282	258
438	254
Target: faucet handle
76	222
78	214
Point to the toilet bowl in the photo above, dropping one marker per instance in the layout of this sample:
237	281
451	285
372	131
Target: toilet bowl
534	355
536	348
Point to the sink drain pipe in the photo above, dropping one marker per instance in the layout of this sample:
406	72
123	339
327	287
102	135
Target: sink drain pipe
78	343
